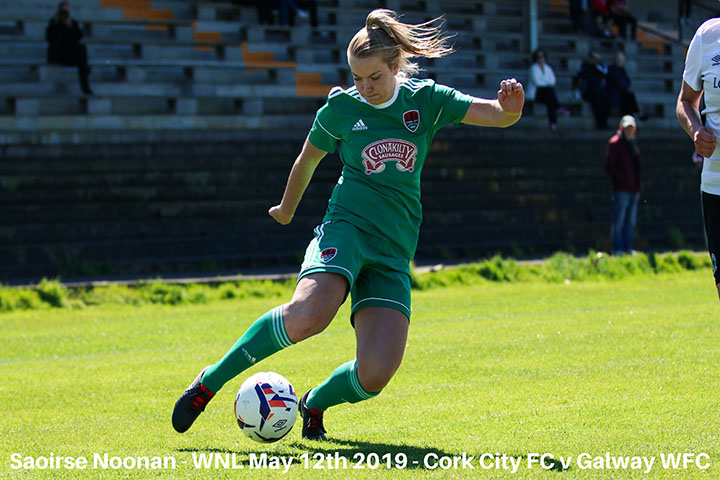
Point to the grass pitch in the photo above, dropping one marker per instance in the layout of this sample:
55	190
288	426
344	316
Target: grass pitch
595	371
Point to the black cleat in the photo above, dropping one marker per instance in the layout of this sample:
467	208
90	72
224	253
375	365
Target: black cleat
312	421
191	404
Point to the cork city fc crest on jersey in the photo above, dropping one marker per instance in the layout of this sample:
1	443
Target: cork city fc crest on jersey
377	154
411	119
328	254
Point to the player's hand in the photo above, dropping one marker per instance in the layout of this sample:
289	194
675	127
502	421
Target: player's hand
279	215
704	140
511	96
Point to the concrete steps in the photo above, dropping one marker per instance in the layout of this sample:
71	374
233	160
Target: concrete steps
13	126
213	59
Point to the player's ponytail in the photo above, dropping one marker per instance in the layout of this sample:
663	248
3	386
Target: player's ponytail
397	42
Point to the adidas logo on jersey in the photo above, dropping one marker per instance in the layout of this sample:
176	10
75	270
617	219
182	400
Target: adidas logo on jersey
359	125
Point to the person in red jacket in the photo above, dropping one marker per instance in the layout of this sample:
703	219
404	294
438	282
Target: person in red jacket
622	161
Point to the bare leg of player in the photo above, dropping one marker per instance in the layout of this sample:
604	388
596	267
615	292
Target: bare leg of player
381	335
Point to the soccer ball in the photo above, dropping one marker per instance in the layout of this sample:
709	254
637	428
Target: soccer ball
266	407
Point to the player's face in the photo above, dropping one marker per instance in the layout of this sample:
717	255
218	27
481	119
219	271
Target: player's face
374	79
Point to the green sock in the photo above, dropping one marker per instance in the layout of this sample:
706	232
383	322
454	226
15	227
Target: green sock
342	386
264	337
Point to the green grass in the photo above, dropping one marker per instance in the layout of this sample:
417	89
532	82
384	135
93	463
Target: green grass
561	267
627	366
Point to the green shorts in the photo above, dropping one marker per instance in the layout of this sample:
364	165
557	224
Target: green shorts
378	275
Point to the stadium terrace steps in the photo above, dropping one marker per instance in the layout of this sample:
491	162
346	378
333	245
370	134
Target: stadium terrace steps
226	11
39	10
555	25
134	72
246	115
170	52
78	111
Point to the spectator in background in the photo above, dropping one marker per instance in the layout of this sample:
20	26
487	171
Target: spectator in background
581	17
622	162
541	86
684	9
304	9
620	97
621	16
287	10
64	36
592	79
601	12
265	12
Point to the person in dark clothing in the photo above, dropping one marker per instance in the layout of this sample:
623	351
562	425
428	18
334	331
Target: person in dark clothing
621	16
622	162
620	97
601	13
264	12
63	35
592	79
581	17
684	11
304	8
287	10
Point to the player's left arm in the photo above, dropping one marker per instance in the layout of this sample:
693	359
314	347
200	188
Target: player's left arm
503	112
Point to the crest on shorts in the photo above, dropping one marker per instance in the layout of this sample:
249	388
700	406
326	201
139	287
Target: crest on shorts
411	119
328	254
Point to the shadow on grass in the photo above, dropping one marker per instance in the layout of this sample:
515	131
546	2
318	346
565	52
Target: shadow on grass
330	454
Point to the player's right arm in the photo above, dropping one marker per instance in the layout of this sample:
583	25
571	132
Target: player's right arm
688	102
688	114
503	112
300	175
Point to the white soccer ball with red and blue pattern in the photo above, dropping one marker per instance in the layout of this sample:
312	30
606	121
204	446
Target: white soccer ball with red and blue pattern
266	407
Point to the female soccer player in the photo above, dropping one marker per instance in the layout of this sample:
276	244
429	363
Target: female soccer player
700	75
383	127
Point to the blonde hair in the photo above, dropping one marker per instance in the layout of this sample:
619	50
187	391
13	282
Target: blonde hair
398	42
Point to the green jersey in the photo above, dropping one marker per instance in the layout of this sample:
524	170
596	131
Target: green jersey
383	149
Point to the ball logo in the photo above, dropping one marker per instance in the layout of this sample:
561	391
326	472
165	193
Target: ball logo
328	254
411	119
267	402
378	153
